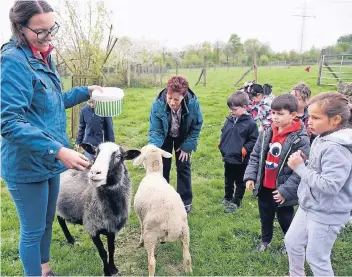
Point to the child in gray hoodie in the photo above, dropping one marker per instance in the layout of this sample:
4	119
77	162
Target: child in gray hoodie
325	191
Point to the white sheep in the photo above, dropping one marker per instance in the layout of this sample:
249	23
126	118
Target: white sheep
98	198
159	208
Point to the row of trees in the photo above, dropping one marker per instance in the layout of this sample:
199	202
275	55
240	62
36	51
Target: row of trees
87	45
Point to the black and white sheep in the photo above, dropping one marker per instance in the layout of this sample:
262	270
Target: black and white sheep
160	210
98	198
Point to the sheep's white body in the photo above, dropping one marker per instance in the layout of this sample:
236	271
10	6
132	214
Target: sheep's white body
159	208
162	211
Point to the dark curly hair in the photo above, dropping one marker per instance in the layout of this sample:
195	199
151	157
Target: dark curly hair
285	101
177	84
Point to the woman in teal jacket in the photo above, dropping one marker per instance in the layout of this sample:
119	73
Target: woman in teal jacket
34	145
175	122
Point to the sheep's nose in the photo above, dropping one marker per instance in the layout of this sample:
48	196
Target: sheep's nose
95	172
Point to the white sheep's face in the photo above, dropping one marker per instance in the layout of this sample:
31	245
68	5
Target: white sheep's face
108	163
146	151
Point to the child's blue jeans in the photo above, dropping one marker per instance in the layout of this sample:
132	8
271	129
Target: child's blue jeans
36	205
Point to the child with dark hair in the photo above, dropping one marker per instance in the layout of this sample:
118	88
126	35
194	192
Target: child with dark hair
303	93
260	107
238	136
93	129
325	190
267	172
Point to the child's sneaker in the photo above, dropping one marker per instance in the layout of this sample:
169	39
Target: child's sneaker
263	246
231	208
283	250
225	202
188	208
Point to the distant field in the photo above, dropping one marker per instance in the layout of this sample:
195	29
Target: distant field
221	244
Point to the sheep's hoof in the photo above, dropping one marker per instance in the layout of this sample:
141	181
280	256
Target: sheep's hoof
111	272
188	267
141	244
71	241
162	242
114	271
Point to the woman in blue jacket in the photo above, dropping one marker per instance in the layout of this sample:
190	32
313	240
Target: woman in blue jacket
175	122
34	146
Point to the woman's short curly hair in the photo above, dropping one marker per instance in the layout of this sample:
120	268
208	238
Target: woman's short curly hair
177	84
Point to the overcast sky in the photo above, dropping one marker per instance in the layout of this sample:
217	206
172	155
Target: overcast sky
181	22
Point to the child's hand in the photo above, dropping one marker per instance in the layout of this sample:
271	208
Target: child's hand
244	153
250	185
278	197
295	159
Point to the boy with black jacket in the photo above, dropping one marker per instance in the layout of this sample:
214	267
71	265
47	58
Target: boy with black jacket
268	174
238	136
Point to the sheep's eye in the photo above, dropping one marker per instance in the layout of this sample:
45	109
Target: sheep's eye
118	156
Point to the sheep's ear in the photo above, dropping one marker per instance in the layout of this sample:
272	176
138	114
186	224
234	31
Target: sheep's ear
139	160
131	154
166	154
91	149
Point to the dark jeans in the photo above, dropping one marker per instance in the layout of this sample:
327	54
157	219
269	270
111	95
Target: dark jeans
36	205
184	182
234	174
267	209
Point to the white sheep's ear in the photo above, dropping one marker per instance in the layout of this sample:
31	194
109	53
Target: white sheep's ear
139	160
166	154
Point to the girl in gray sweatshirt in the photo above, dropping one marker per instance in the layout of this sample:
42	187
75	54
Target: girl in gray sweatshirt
325	190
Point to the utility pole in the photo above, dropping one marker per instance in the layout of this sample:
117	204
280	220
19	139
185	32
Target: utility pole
304	15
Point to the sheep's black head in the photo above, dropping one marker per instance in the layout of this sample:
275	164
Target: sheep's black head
108	163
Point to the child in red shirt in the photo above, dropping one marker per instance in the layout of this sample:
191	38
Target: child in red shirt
267	172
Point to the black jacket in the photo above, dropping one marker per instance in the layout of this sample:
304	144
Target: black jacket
235	135
94	129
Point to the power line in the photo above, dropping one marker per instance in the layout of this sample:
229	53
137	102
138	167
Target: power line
304	15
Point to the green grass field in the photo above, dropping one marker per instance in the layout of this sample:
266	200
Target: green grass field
221	244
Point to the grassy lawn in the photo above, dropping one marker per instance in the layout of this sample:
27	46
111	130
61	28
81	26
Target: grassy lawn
221	244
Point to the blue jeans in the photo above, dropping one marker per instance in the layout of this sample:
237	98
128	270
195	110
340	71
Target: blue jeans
36	205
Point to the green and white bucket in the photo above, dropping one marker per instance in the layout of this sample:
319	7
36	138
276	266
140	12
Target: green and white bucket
109	102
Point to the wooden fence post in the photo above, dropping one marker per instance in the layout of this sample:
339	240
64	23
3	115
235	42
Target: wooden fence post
205	71
128	73
255	67
161	74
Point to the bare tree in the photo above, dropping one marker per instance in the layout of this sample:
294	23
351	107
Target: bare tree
235	45
218	46
252	48
80	44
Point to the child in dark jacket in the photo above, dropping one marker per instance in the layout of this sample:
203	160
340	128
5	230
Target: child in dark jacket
238	136
273	181
93	129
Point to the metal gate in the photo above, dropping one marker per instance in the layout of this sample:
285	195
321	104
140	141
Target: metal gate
334	69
